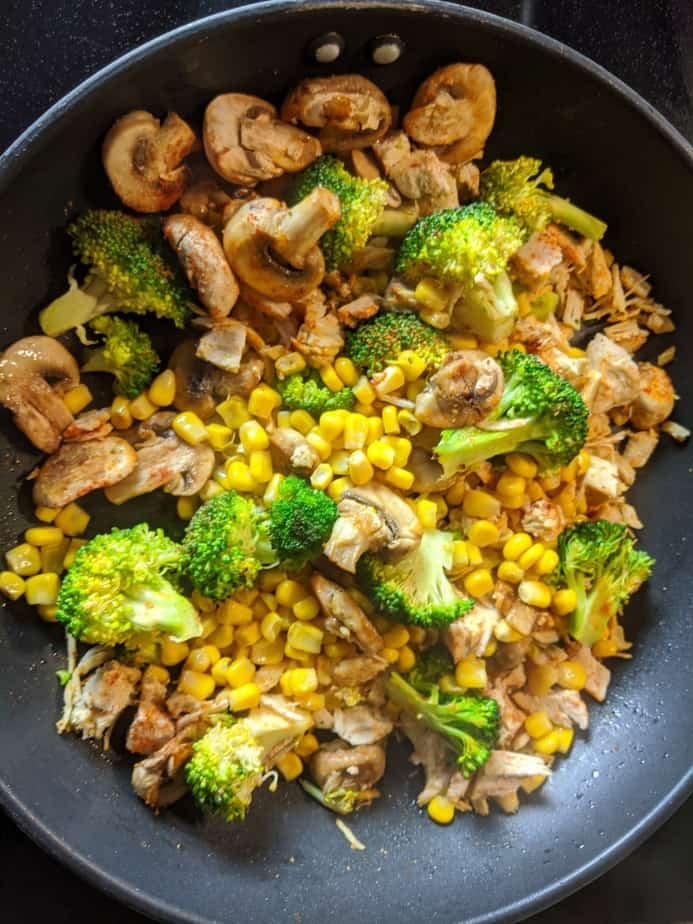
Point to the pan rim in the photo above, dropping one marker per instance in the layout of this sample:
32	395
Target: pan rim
11	162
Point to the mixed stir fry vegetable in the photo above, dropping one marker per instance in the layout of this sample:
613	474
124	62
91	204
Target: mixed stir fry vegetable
398	427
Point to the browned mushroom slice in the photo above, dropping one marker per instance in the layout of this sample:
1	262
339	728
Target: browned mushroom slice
91	425
337	766
274	250
143	159
465	389
454	110
36	406
245	142
350	111
340	608
78	468
204	263
199	384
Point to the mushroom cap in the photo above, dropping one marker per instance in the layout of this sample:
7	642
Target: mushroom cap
464	390
454	109
78	468
350	111
245	142
143	156
196	380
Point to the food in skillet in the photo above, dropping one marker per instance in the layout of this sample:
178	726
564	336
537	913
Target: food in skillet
399	422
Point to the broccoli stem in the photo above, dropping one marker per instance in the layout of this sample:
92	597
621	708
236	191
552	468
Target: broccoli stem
395	222
76	308
316	793
405	696
574	217
489	309
296	231
161	607
592	612
471	445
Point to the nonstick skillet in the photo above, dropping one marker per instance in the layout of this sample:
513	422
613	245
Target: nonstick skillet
620	159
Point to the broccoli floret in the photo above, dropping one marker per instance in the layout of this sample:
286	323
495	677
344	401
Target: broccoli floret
122	589
550	414
382	338
513	187
466	248
415	589
468	724
599	561
308	393
430	666
233	758
361	201
219	544
127	354
129	270
340	801
298	523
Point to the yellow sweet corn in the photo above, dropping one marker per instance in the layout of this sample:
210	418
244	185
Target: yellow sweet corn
412	364
290	766
141	407
360	468
201	659
399	478
409	422
390	419
406	659
11	585
271	625
460	558
346	371
260	466
186	507
308	744
302	421
332	424
121	418
162	391
470	673
289	364
441	810
547	563
534	593
516	545
477	503
234	613
474	555
319	444
504	632
43	535
306	609
427	512
531	557
322	476
172	653
564	601
305	637
239	477
363	391
521	464
381	455
511	572
245	697
391	655
263	401
254	436
210	489
510	485
233	411
537	724
247	635
73	520
396	637
355	431
565	739
298	680
272	490
53	556
46	514
222	636
42	589
571	675
23	559
48	613
77	399
548	744
240	672
264	652
330	378
338	487
483	533
218	671
479	582
540	679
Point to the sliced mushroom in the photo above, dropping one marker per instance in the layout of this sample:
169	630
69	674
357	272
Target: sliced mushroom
164	461
78	468
350	111
274	250
204	263
37	407
427	471
465	389
371	517
340	608
203	197
200	385
655	400
91	425
143	159
454	110
338	766
245	142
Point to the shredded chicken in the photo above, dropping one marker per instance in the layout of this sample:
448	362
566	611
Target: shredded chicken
563	707
105	695
346	617
471	634
361	725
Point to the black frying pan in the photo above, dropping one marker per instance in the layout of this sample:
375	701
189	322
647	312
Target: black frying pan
618	158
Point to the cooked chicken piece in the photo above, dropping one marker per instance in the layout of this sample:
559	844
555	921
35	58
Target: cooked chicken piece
223	346
337	604
571	248
361	725
158	780
431	753
618	377
512	717
358	310
655	397
503	596
471	634
502	774
371	517
104	696
522	617
563	707
573	308
535	259
152	726
294	449
352	672
276	310
601	482
91	425
598	273
399	296
320	336
267	677
510	655
337	766
78	468
465	389
392	150
598	676
418	175
640	447
544	520
248	376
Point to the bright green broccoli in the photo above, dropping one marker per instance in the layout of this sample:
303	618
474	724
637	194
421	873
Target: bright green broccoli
126	353
380	339
430	666
550	416
129	270
220	546
339	801
599	561
464	252
122	589
308	393
514	188
233	758
298	523
468	724
362	202
415	589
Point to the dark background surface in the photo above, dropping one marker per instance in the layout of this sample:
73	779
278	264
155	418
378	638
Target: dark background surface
47	47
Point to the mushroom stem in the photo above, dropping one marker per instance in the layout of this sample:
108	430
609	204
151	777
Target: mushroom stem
296	231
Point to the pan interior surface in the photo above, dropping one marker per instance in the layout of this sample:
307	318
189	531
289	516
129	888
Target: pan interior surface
289	861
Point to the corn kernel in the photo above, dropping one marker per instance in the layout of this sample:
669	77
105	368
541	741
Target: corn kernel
510	571
464	342
381	455
338	487
427	512
308	744
360	468
289	364
222	636
548	744
240	672
254	436
234	613
121	418
606	648
305	637
77	399
455	495
142	408
339	462
510	485
504	632
491	648
46	514
73	520
390	421
245	697
264	652
289	592
196	684
409	422
441	810
565	739
23	559
48	613
516	545
346	371
43	535
263	400
479	582
298	680
306	609
406	659
201	659
172	653
321	477
318	442
189	428
53	556
540	679
547	563
363	391
330	378
535	491
290	766
271	626
11	585
396	637
474	555
210	489
391	655
432	294
162	391
239	477
412	364
399	478
247	635
233	411
483	533
534	593
186	507
571	675
273	487
260	466
583	462
530	558
478	503
521	464
564	601
332	424
219	671
532	783
460	558
302	421
389	380
471	673
355	431
537	724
